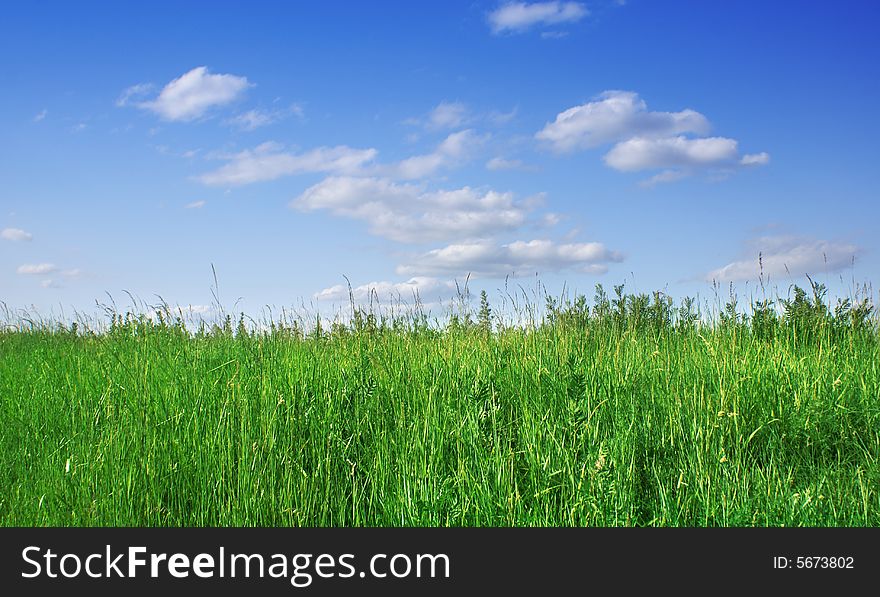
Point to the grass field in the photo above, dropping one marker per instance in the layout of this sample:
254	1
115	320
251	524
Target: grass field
624	411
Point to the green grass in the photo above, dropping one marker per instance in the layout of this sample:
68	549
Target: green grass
587	419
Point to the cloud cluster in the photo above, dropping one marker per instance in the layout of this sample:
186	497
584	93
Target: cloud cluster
407	213
487	259
189	96
518	17
612	117
674	142
784	256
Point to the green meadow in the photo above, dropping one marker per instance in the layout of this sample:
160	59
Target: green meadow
621	410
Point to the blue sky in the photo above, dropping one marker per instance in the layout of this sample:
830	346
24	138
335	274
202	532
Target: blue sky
405	145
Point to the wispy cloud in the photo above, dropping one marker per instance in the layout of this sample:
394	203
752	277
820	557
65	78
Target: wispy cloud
499	118
254	119
781	256
517	17
37	269
452	115
269	161
408	213
134	95
500	163
488	259
189	96
425	289
41	115
15	235
196	204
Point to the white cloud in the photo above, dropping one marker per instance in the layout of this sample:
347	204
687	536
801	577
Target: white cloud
455	149
784	255
644	153
426	289
41	115
447	115
50	283
487	259
499	163
755	159
254	119
674	142
189	96
15	234
517	17
39	269
615	116
268	162
407	213
196	204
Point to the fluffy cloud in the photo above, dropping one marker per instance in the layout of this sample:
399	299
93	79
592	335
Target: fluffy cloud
674	142
782	256
452	151
189	96
423	288
15	234
615	116
755	159
409	214
39	269
674	152
486	259
268	162
447	115
516	17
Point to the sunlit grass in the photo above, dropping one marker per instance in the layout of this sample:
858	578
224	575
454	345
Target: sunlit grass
594	416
